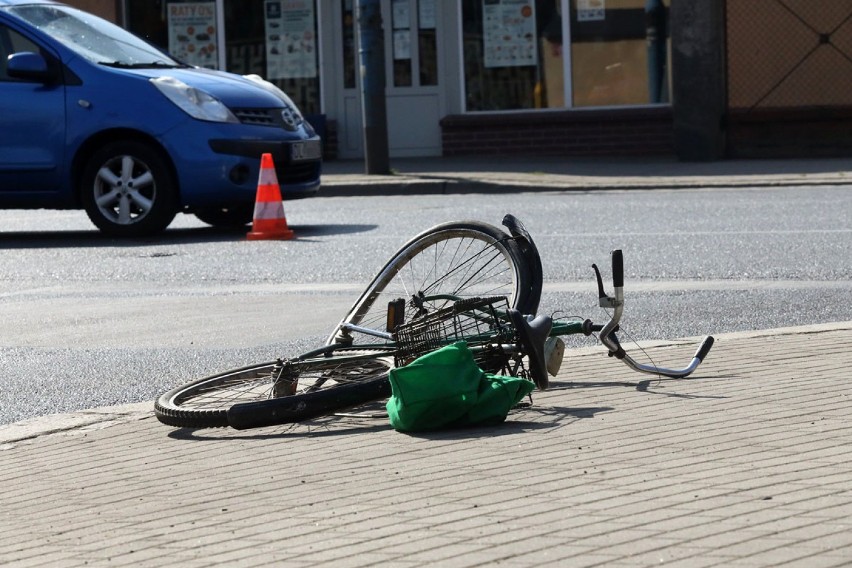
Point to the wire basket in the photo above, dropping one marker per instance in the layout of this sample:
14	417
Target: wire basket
481	322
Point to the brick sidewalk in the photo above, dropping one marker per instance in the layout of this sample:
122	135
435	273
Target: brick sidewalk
747	463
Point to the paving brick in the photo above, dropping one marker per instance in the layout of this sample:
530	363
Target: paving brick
744	464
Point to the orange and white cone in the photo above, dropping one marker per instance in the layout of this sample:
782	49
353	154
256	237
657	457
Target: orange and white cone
269	221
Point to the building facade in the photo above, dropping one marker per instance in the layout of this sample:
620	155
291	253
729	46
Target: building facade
702	79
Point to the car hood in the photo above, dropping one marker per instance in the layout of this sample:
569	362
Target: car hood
233	90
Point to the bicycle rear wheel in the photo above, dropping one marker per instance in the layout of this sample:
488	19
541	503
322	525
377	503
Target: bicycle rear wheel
448	262
277	392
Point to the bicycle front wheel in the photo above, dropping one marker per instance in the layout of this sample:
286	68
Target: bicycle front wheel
277	392
448	262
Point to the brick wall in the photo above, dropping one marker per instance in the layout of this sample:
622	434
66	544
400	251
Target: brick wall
787	133
611	132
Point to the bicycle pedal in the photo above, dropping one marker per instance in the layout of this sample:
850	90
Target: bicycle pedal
554	351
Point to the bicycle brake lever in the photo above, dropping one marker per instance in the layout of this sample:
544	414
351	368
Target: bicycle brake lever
604	299
601	292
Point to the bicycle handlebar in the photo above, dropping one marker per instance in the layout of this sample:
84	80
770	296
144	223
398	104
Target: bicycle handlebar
610	340
617	269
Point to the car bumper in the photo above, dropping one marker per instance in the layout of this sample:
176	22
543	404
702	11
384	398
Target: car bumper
219	164
297	163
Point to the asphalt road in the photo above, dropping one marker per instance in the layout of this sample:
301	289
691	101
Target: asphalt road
90	321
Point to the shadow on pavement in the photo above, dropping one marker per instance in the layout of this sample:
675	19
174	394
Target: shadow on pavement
93	239
525	419
308	429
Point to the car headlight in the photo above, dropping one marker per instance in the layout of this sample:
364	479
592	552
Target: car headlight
269	87
194	102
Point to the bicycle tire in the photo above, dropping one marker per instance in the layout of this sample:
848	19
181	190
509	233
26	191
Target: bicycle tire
301	407
463	259
205	402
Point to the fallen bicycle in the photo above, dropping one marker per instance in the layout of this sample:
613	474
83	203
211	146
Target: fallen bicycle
457	282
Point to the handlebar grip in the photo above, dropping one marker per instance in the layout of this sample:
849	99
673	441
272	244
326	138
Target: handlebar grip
617	269
704	348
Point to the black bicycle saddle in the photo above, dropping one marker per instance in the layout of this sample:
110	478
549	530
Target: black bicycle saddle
532	334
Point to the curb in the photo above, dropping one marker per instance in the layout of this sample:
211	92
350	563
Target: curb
94	418
427	185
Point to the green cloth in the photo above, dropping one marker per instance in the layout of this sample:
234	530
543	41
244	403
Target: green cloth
446	389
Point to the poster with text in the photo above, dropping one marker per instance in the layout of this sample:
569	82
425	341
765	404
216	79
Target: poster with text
508	34
400	15
402	44
591	10
291	39
192	33
426	14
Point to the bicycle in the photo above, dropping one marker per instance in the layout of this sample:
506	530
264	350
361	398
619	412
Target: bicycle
480	285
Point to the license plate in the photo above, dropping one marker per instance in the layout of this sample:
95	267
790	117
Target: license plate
307	150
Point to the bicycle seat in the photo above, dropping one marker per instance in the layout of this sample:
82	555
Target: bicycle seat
532	333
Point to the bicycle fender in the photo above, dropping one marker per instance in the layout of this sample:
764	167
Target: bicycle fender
532	258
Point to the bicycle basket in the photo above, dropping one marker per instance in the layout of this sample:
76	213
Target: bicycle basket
482	323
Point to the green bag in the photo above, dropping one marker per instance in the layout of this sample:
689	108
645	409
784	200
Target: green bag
446	389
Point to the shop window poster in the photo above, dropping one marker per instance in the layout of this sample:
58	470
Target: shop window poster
291	39
509	34
426	14
591	10
401	16
192	33
402	44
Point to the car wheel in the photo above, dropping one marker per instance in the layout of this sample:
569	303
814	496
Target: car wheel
233	216
128	190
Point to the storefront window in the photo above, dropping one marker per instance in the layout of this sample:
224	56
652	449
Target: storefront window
619	53
515	55
414	27
277	40
427	42
401	18
185	29
501	57
412	37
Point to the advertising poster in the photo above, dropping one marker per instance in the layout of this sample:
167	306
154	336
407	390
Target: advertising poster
590	10
402	44
192	33
509	34
291	39
401	15
426	14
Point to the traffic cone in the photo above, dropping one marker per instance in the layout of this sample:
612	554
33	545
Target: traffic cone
269	221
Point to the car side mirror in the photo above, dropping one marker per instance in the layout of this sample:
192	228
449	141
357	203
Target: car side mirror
29	66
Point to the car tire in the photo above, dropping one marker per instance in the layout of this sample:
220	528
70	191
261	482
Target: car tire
234	216
128	189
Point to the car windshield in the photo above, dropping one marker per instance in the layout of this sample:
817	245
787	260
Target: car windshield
95	39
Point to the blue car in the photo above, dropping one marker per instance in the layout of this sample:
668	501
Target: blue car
94	118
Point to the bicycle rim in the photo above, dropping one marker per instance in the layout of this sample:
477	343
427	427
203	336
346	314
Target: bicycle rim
204	403
450	261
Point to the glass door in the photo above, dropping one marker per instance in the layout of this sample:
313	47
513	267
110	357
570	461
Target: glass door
413	55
